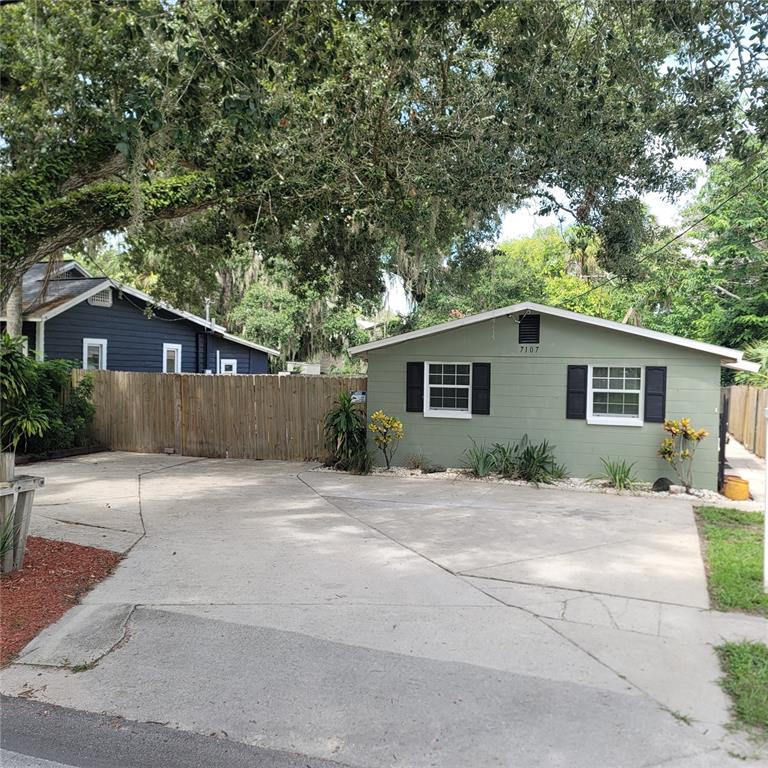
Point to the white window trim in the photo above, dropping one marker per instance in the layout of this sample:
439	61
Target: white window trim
95	342
177	347
227	361
441	413
616	421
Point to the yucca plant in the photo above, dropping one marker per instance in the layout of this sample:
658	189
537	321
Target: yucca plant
618	474
536	463
480	460
506	455
346	436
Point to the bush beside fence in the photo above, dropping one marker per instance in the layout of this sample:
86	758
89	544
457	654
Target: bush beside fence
746	417
237	417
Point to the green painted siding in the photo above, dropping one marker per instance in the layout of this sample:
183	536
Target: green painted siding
528	395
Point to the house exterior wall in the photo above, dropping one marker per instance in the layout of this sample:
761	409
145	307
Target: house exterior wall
528	395
135	341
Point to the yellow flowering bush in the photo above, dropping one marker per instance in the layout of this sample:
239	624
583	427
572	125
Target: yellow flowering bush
679	449
387	433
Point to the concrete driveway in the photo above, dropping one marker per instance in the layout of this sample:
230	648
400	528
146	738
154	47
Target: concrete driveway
381	621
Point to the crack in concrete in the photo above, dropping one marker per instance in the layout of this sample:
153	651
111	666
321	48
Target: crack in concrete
90	525
545	621
555	554
586	591
125	635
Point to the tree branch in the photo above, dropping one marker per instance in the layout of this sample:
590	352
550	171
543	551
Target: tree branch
48	228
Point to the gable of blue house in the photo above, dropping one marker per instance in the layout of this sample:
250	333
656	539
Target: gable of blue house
135	340
75	316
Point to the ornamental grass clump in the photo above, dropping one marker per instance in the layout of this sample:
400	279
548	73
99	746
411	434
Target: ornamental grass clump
618	474
679	449
387	434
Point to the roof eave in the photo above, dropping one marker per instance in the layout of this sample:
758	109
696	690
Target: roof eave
723	352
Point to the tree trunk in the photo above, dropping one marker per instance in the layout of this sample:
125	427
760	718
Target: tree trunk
14	312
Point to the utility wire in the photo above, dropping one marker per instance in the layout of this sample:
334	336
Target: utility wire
680	234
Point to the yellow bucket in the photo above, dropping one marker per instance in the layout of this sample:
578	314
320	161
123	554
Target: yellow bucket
736	488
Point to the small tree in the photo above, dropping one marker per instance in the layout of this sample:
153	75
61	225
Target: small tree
387	433
679	449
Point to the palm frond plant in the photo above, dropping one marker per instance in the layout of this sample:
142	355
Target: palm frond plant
346	436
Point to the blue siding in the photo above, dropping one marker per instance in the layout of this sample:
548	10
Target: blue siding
135	341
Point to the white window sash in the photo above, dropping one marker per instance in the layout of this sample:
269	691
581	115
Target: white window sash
446	413
615	420
177	362
102	344
224	361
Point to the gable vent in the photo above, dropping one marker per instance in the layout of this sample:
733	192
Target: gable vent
528	329
101	299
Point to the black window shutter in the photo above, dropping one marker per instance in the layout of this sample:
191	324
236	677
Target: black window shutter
576	397
481	388
528	329
414	387
655	393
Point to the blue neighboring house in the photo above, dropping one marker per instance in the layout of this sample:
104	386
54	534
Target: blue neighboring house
103	324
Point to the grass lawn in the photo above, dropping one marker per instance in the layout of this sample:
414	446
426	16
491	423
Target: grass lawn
746	680
733	548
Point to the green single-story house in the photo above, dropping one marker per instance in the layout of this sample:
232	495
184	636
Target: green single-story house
592	387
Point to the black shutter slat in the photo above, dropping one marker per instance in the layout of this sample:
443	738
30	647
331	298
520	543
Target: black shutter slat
528	329
576	396
481	388
414	387
655	393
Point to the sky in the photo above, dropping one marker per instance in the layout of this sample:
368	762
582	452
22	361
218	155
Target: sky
524	222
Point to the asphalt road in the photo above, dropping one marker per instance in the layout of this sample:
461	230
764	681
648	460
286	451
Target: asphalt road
35	735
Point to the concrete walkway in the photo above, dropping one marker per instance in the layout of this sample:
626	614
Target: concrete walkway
380	621
747	466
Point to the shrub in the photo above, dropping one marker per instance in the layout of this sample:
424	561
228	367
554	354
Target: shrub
506	455
679	449
618	474
528	461
387	433
537	464
480	459
345	435
417	461
21	415
69	409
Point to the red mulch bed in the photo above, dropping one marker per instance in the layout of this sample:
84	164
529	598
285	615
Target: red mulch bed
54	577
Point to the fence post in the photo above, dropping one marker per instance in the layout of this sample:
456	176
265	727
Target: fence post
177	413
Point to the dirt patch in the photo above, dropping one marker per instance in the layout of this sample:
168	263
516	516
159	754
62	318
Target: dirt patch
54	577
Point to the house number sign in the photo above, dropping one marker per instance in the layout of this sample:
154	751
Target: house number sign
528	349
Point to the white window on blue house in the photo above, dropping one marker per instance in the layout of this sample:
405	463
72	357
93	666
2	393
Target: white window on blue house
228	365
615	395
171	358
448	390
95	354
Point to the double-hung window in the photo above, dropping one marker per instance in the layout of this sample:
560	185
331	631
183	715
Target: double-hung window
171	358
448	390
615	395
95	354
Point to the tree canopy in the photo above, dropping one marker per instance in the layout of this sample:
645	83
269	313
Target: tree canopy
349	134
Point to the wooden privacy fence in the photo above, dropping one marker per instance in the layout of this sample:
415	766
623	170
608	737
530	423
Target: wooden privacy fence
237	417
746	417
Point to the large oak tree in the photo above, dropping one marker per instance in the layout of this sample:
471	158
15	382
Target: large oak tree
360	132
